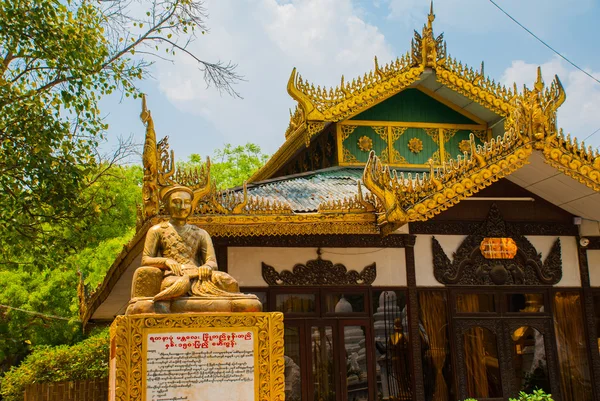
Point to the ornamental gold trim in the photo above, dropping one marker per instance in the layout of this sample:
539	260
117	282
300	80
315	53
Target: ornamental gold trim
573	159
406	198
464	146
365	143
415	145
127	334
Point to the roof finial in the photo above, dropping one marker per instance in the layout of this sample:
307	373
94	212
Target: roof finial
539	83
431	16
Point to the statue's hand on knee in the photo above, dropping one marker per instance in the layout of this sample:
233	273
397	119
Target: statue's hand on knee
175	267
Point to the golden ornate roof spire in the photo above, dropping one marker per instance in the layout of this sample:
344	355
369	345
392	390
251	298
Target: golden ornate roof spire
428	50
150	163
160	171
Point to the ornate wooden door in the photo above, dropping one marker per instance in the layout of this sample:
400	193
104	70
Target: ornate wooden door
499	357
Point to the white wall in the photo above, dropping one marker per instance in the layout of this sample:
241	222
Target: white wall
593	256
244	263
424	256
450	243
570	260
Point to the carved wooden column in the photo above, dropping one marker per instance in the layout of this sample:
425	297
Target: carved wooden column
588	312
413	313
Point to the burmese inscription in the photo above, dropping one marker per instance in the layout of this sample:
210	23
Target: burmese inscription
198	366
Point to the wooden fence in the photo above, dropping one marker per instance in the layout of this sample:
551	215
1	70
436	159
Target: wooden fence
88	390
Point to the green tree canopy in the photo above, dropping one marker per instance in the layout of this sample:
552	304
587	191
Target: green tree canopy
230	166
47	284
57	59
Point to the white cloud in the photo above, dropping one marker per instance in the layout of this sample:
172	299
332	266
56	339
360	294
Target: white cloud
579	114
323	38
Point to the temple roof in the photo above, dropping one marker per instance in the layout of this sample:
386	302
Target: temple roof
522	143
427	67
306	192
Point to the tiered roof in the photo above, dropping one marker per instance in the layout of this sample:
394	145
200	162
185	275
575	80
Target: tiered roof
332	201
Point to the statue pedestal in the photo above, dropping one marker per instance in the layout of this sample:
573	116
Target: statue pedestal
197	357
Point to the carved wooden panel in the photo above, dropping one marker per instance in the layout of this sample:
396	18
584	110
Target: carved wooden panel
543	326
469	267
461	326
319	272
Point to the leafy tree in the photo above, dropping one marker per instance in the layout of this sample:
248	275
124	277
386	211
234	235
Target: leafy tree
57	59
47	283
64	207
230	166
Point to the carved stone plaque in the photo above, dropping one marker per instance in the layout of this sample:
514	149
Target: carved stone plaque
188	365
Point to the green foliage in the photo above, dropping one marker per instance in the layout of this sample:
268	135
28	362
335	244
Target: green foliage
48	283
63	207
85	360
57	60
537	395
230	166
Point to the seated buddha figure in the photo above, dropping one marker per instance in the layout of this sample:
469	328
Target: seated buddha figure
179	268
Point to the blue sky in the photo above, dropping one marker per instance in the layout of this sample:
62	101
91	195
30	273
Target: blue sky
327	38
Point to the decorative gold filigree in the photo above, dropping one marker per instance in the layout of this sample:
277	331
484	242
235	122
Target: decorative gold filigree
434	134
534	113
312	130
160	172
573	159
464	146
381	132
127	333
481	135
407	199
349	157
334	104
449	134
474	85
426	49
397	157
358	203
297	120
236	203
347	130
435	157
397	132
295	224
415	145
365	143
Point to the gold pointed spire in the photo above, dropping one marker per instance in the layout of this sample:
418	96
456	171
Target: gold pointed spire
431	16
539	83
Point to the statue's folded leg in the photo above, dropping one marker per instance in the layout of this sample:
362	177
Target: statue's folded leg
173	287
225	282
146	282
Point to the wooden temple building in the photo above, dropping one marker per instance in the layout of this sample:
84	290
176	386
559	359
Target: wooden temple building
429	234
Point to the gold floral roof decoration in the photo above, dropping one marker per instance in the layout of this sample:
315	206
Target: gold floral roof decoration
365	143
408	198
415	145
531	125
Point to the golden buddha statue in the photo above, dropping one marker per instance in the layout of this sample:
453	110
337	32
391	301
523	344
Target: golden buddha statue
179	268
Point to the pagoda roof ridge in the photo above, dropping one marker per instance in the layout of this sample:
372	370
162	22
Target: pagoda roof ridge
428	52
